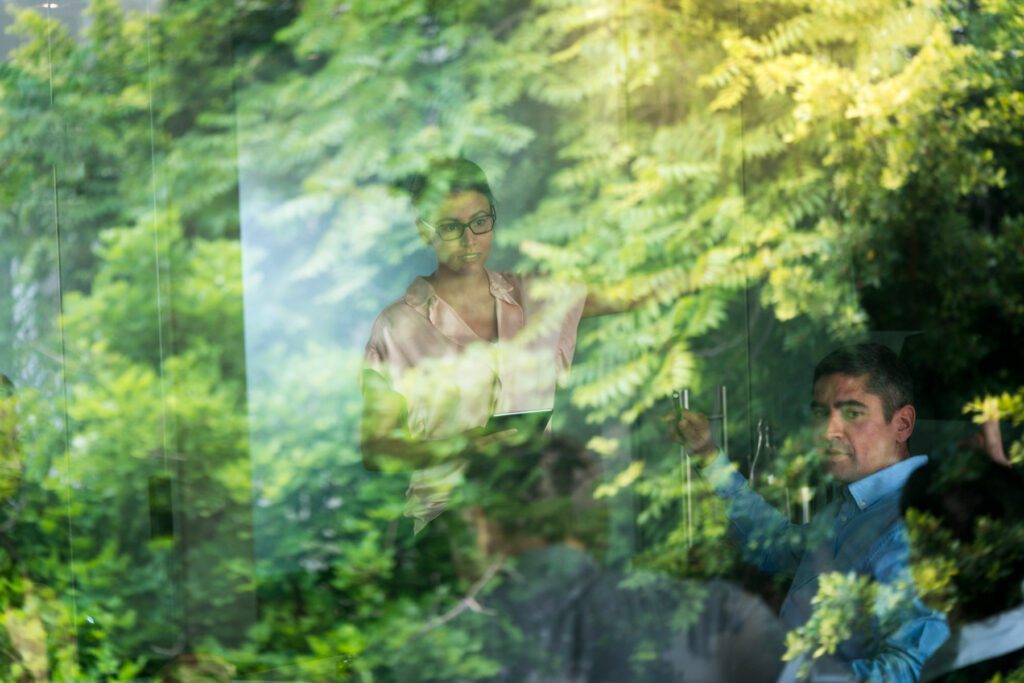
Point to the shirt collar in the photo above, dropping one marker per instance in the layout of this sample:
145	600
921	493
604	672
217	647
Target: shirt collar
884	482
501	288
421	293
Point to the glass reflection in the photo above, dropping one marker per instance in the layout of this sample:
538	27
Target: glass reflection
204	208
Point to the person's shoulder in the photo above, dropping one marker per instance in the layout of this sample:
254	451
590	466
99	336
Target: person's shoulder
393	314
392	331
413	304
523	287
396	321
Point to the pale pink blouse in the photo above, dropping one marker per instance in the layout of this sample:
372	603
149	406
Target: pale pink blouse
453	380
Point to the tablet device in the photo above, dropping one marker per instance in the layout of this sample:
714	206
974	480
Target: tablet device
530	423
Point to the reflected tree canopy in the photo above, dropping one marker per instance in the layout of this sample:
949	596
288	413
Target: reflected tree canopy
204	207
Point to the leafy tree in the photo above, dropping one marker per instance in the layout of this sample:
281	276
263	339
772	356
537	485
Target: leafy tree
761	177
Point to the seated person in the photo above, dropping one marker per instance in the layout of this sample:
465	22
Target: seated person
862	405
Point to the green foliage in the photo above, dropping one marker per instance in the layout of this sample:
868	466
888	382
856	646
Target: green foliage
949	573
1014	677
841	608
848	605
792	162
1004	407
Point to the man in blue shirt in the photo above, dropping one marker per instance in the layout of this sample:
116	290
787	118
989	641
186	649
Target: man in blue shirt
864	415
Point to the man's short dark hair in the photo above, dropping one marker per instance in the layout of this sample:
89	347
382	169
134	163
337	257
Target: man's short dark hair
887	377
445	177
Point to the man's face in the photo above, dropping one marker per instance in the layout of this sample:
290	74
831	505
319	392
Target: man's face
853	436
471	250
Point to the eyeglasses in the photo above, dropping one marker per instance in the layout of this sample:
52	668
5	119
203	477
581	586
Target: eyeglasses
449	231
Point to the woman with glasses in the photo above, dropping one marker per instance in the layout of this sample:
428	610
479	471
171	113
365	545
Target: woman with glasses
462	344
467	342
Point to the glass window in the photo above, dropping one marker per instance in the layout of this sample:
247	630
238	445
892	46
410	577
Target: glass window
510	341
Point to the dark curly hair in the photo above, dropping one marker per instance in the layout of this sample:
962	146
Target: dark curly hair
444	177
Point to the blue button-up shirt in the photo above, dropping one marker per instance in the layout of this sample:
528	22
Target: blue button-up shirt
861	531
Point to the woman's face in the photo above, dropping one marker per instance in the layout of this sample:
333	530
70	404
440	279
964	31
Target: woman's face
470	251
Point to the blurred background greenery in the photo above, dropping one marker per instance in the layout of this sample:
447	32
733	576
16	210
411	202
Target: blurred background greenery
198	223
